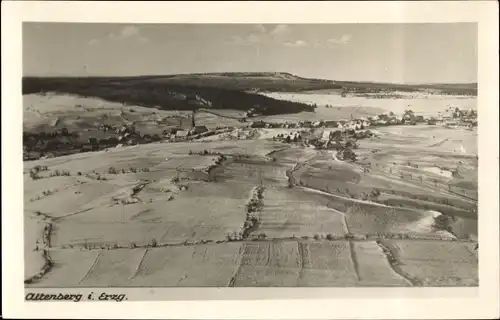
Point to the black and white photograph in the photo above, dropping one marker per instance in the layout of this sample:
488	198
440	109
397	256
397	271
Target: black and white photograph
206	154
250	155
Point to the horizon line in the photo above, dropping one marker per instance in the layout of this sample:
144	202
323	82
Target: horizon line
251	72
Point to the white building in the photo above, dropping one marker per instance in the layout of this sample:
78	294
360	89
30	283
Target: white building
326	135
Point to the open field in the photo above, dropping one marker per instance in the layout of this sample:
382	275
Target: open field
78	113
51	112
285	214
33	230
343	107
287	263
435	263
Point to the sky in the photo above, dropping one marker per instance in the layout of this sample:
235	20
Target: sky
396	53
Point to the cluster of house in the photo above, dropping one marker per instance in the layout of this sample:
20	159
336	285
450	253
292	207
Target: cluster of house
330	139
64	142
177	133
459	117
337	139
358	124
456	118
293	136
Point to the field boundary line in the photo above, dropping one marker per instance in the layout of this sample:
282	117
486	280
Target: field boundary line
47	267
352	199
344	218
270	251
91	267
139	265
72	214
267	239
475	254
354	259
241	253
300	248
391	259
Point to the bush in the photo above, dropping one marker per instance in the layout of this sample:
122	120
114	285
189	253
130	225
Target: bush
375	193
234	236
348	236
34	175
112	170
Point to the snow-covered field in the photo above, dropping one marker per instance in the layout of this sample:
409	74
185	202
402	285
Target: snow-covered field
420	102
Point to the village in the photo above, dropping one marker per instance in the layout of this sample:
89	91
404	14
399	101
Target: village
334	133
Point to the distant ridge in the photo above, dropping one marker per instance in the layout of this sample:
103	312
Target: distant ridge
283	76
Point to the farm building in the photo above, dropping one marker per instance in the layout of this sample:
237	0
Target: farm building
394	120
305	123
292	136
198	130
170	130
331	124
55	122
336	134
258	124
451	122
326	135
181	133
